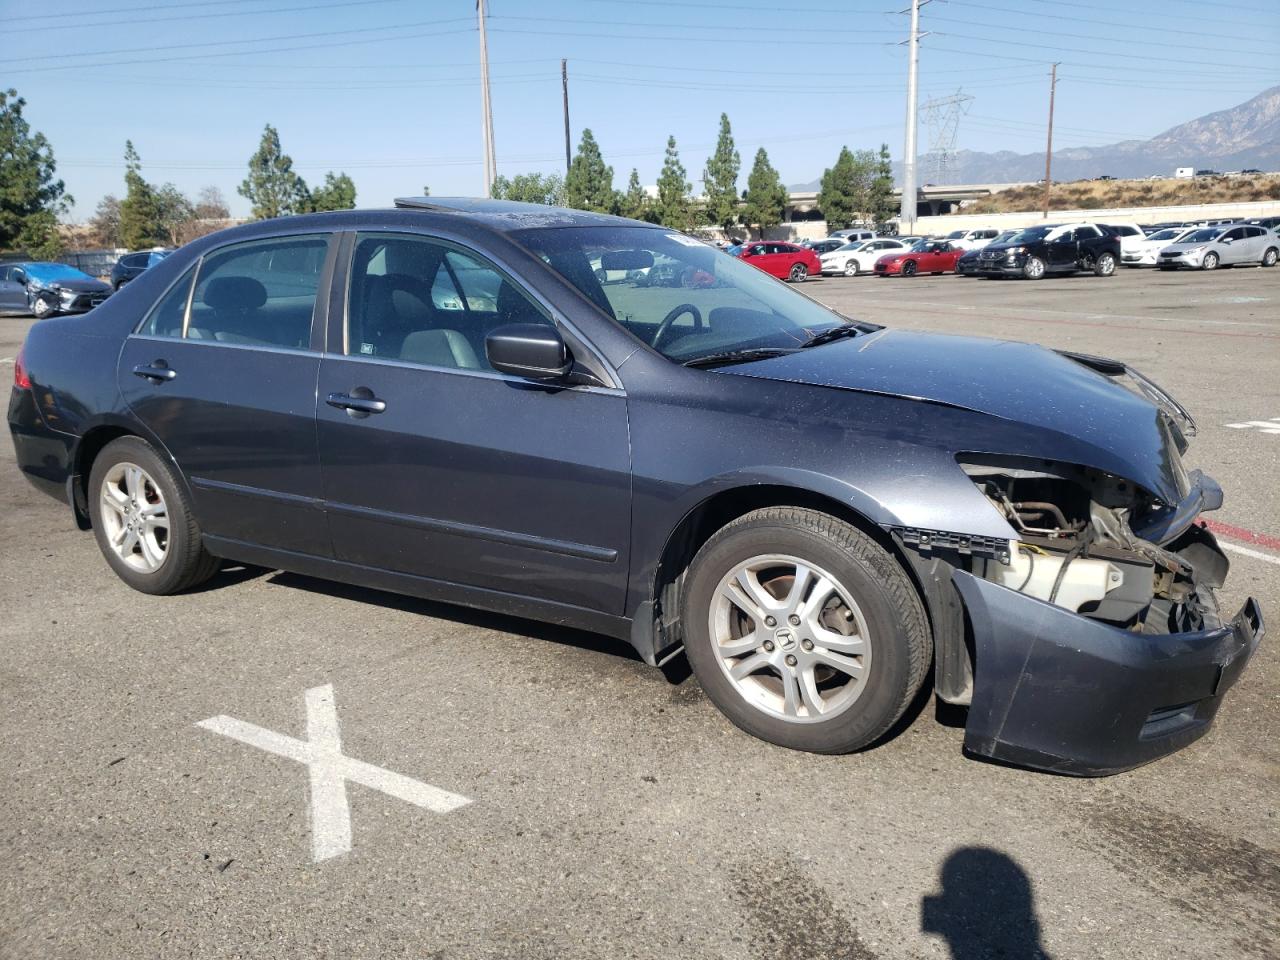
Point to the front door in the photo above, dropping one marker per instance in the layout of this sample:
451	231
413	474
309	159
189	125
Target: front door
228	386
13	290
439	467
1062	252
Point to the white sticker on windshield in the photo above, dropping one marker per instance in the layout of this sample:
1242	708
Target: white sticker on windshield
687	241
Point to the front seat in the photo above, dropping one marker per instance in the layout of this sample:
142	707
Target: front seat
439	348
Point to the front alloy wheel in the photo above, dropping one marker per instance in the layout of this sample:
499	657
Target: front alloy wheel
799	273
41	307
909	268
851	268
1034	269
1210	261
790	638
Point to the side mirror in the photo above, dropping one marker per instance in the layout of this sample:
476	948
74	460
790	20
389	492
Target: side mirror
532	350
1225	240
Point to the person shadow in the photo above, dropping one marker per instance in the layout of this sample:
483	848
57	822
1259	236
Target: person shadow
986	909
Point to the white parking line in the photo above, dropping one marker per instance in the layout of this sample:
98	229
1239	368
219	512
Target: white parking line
7	359
1013	308
1250	552
1263	426
330	770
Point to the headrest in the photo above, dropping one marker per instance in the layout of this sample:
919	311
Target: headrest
235	293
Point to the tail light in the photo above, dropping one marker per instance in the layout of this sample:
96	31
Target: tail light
21	380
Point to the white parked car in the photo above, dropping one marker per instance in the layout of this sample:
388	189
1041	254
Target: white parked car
1144	252
1210	247
853	236
971	239
855	258
1129	235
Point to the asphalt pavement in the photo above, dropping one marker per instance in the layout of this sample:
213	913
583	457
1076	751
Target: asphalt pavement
572	802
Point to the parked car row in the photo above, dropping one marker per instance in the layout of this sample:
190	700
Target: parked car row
44	288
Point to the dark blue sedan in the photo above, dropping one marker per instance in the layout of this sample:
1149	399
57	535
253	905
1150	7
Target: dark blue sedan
445	400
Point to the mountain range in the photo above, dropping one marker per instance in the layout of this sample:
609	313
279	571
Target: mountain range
1241	137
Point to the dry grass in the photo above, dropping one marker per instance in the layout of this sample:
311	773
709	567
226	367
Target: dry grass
1107	194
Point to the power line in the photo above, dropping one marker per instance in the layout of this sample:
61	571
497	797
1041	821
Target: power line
311	7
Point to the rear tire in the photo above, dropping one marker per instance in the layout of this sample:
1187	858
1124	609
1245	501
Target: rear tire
846	652
1270	257
1104	266
142	520
799	273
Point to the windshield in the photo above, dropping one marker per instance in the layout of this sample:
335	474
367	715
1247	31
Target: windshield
51	272
1030	234
850	247
1164	234
921	246
677	295
956	235
1200	236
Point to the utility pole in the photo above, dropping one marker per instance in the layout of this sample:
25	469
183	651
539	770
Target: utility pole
490	161
907	216
1048	149
564	86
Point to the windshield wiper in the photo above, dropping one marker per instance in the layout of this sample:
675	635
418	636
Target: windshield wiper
834	333
737	356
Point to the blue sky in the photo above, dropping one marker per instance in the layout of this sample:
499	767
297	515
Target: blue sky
387	90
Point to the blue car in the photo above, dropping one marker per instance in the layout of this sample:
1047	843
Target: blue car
45	289
825	515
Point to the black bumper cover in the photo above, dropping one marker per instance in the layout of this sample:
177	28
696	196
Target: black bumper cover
1057	691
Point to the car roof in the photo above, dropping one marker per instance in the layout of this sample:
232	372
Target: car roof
509	215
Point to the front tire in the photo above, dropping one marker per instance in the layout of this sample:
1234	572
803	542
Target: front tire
41	308
143	522
803	631
1033	269
799	273
1104	266
851	268
909	268
1210	261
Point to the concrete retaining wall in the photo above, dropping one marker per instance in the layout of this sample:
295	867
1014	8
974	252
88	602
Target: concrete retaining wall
1200	211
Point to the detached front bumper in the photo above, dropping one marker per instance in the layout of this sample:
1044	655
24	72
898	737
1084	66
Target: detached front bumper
1057	691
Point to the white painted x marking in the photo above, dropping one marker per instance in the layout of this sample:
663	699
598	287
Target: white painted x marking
330	770
1264	426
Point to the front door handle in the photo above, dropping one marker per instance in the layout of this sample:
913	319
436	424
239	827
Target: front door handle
360	402
157	372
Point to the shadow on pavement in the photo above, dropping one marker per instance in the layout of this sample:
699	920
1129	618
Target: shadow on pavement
986	908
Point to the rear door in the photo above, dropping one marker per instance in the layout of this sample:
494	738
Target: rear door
462	474
223	372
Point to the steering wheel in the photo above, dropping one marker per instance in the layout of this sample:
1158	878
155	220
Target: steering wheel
665	326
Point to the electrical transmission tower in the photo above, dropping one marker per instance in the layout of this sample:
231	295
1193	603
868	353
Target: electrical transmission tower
942	115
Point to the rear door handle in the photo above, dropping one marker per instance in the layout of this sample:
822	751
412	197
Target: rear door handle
156	372
359	403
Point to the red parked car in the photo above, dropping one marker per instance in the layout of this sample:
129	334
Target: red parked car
786	261
927	256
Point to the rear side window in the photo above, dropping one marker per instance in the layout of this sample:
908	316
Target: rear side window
261	293
165	318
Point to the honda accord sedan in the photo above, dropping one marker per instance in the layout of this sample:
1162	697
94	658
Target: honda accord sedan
824	515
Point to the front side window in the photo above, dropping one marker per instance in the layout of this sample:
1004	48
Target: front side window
679	296
423	301
261	293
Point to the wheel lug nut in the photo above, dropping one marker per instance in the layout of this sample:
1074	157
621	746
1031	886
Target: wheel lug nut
791	660
768	646
794	620
806	644
770	622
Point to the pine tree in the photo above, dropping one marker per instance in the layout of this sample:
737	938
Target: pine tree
766	197
530	188
721	179
881	200
338	192
589	184
835	198
140	212
31	197
272	187
674	207
635	202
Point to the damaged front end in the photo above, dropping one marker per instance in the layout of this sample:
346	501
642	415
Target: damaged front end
1093	638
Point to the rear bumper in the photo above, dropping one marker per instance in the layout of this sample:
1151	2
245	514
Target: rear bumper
44	456
1060	692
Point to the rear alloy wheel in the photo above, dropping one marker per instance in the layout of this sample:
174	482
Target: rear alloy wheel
799	273
909	268
1104	266
1033	269
803	630
142	521
1269	258
1210	261
851	268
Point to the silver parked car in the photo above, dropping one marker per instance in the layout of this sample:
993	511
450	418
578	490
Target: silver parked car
1211	247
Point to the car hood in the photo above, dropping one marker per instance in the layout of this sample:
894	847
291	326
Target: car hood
88	285
1127	434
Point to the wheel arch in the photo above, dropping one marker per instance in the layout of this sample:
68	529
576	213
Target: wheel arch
91	443
656	629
